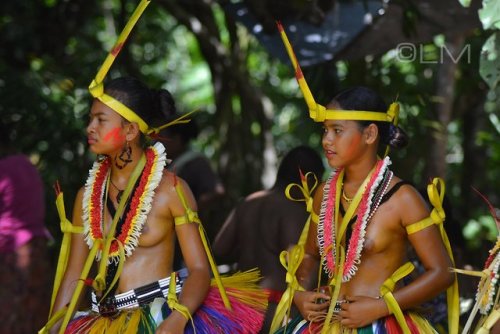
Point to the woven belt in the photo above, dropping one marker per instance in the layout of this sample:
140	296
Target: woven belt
137	297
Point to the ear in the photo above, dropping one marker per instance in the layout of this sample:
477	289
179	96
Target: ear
371	133
132	131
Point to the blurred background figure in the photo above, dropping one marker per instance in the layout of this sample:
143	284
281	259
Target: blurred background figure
266	223
25	268
197	171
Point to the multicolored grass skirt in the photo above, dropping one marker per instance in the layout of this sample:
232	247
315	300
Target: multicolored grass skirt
387	325
248	302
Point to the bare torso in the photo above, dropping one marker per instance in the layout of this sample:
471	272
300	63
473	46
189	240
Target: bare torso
153	257
384	251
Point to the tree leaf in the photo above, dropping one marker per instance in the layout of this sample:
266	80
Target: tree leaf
489	63
465	3
489	14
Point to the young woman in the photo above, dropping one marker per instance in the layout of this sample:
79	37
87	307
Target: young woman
361	237
132	209
367	219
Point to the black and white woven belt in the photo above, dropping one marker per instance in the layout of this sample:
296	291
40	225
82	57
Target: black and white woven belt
137	297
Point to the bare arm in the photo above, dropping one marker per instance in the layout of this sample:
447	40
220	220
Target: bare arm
196	285
430	249
224	246
307	273
77	256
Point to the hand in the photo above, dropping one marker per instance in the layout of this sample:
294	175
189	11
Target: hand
360	311
312	305
174	324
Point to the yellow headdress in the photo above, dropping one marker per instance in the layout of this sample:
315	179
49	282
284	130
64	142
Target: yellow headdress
319	113
96	87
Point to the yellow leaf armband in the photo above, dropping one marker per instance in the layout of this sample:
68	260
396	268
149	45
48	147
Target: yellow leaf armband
173	302
192	216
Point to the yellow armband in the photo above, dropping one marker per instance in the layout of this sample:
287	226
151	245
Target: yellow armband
173	302
436	191
192	216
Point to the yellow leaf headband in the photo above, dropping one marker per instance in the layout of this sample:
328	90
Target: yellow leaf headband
318	112
96	87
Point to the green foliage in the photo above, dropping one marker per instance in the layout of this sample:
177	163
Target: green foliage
46	66
490	14
490	60
480	229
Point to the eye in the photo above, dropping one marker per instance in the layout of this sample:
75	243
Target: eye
337	131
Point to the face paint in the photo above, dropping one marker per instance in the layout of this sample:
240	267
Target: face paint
353	145
115	136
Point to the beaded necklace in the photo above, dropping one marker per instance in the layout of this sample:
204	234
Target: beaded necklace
94	198
328	235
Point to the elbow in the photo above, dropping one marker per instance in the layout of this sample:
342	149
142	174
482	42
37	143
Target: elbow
446	278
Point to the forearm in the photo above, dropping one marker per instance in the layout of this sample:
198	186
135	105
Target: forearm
307	273
425	287
195	289
63	299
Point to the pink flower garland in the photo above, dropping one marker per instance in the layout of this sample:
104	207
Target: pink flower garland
327	226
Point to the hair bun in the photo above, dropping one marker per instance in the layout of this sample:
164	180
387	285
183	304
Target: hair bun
397	137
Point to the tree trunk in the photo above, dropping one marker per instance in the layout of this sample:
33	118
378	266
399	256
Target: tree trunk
240	119
437	166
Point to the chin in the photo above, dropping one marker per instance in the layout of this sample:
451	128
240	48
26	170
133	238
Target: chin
96	150
333	163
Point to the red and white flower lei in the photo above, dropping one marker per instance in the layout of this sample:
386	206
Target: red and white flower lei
140	205
488	287
327	225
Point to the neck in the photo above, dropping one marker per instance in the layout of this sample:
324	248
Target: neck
120	176
356	173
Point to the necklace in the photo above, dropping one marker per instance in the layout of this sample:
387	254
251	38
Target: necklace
120	191
344	196
327	226
140	202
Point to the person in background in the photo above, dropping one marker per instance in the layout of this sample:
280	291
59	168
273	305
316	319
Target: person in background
196	170
266	223
24	256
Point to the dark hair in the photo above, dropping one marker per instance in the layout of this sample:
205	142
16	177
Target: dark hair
186	131
303	157
365	99
151	105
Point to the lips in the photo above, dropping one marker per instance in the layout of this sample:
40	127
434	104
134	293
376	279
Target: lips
91	141
329	153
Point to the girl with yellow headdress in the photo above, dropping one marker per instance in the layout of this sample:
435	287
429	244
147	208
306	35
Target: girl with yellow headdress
126	220
346	276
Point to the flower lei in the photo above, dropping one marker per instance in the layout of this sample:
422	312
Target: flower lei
140	202
487	287
327	225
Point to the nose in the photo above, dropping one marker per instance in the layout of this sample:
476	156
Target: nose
327	139
90	127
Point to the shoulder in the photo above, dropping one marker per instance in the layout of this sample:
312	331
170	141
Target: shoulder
318	197
174	192
409	203
256	195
